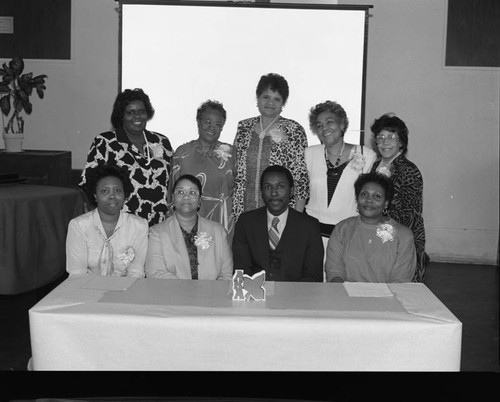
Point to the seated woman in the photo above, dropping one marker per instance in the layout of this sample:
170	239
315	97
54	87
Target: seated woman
107	241
187	246
371	247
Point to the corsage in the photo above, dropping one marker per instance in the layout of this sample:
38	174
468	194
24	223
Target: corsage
203	240
386	232
358	162
127	257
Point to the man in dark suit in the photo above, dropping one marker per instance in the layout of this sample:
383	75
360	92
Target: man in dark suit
289	248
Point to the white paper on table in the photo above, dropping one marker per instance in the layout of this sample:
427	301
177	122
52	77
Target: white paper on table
362	289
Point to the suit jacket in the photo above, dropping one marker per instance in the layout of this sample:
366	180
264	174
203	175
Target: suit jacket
298	256
168	258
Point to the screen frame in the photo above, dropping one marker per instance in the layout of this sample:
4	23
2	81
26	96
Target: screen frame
253	5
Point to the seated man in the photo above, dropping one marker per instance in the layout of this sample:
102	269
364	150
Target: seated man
288	248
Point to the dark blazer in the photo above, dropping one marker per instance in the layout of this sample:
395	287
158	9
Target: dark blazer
298	257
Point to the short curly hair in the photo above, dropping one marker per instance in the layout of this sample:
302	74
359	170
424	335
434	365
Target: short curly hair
212	105
94	175
393	124
123	99
274	82
374	177
332	107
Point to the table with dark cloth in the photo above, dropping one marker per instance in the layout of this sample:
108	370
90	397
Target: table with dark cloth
33	226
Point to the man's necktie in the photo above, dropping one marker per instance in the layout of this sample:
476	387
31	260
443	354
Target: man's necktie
274	237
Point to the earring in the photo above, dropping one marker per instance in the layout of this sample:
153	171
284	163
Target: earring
385	212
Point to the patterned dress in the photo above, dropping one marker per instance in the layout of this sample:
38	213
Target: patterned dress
149	173
284	146
407	206
215	169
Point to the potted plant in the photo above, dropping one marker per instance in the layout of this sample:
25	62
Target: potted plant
16	89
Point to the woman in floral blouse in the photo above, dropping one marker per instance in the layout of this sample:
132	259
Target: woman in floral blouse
333	167
269	139
107	241
212	162
371	247
187	246
146	154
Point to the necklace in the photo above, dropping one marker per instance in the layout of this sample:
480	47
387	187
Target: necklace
263	130
337	161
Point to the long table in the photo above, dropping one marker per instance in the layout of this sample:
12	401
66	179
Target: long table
106	323
33	226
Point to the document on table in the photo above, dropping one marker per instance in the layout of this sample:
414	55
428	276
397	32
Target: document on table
362	289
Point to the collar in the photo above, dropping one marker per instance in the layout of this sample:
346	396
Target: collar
283	218
97	223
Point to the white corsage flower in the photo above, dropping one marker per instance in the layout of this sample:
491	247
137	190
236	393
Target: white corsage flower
277	135
223	152
384	170
386	232
127	257
156	149
358	162
203	240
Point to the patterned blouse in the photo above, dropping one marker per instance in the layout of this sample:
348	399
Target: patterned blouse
284	146
215	169
192	249
149	173
407	205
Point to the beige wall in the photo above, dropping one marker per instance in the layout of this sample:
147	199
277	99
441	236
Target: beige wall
452	113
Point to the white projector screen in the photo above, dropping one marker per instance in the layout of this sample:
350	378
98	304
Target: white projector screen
183	53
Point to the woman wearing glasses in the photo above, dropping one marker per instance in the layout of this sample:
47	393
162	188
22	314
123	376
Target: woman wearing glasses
333	167
146	154
212	162
186	245
391	137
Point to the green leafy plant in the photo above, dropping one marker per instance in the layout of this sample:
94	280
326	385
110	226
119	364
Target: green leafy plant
16	89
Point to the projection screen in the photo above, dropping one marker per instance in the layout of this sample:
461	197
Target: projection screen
183	53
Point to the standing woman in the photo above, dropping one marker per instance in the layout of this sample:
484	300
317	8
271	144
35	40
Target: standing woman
212	162
269	139
146	154
391	137
333	167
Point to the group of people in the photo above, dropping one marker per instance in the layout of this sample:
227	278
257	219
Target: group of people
332	211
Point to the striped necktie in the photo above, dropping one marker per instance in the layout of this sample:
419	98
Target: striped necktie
274	236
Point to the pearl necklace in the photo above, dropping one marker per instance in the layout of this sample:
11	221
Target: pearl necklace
263	130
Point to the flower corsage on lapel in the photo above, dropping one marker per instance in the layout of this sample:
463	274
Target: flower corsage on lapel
203	240
386	232
358	161
277	135
156	149
384	170
223	152
127	257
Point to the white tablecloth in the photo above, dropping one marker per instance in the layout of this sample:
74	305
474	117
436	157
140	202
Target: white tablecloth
105	323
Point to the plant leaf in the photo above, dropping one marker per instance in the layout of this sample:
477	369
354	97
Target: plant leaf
4	88
5	104
17	66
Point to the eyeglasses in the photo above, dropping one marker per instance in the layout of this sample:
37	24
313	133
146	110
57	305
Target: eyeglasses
207	123
190	193
380	139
